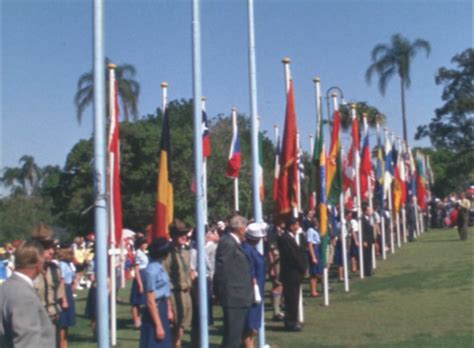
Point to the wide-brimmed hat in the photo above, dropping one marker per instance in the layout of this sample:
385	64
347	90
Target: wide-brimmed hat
178	228
158	248
256	230
43	234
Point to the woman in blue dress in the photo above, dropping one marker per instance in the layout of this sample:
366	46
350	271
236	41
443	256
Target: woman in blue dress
67	316
254	233
137	293
155	329
314	241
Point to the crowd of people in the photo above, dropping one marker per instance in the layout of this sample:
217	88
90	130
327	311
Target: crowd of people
42	276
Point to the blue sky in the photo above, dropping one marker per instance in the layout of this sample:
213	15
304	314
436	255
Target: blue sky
47	45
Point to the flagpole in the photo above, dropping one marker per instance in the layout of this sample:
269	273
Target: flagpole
100	202
382	208
236	179
197	113
343	234
369	193
204	174
113	270
286	65
389	199
358	200
317	89
401	145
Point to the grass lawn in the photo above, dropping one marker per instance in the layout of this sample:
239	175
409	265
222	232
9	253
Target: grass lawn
422	296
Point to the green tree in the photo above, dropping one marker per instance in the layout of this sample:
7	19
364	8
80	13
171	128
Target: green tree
453	125
396	58
24	179
128	90
374	116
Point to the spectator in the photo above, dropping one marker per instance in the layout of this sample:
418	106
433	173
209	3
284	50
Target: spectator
24	321
137	293
67	316
233	282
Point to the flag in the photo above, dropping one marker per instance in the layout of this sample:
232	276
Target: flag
313	176
333	179
113	150
233	164
365	168
396	191
287	181
420	183
261	187
277	169
411	175
402	172
352	156
388	170
379	174
323	212
164	188
206	140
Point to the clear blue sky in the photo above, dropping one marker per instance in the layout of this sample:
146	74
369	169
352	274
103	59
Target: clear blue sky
47	45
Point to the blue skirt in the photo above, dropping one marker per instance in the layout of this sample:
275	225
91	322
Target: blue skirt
147	331
315	269
136	298
338	254
67	316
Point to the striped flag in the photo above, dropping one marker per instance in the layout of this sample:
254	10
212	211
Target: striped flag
388	170
261	187
277	169
233	164
365	168
334	178
323	212
164	189
113	150
206	140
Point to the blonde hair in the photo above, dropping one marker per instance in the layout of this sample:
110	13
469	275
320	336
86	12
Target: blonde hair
28	254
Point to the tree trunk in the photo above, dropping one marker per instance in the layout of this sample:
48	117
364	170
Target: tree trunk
404	116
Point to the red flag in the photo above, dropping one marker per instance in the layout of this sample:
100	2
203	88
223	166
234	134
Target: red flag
113	150
287	181
365	167
206	139
233	164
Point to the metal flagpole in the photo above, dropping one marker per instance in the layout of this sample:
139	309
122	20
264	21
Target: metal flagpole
382	208
286	65
236	179
389	199
369	194
344	235
397	215
197	113
359	213
298	181
113	270
204	173
100	204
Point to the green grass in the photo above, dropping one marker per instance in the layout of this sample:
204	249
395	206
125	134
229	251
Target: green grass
422	296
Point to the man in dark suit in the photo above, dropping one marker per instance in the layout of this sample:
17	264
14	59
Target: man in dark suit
292	270
233	283
368	238
24	321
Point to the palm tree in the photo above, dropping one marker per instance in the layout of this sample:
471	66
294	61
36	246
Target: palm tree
387	60
25	179
128	90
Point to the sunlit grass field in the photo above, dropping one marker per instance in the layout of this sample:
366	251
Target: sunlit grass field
421	296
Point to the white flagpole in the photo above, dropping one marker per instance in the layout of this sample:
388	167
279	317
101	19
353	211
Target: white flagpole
317	89
113	283
389	199
204	173
369	193
236	179
344	235
358	200
286	65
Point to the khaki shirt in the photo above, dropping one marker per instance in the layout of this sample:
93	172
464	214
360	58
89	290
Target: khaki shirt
177	265
50	289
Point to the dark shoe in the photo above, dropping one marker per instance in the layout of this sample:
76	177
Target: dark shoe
279	317
295	328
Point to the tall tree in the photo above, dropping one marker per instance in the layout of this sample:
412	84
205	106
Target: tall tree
453	125
128	90
374	116
24	179
396	58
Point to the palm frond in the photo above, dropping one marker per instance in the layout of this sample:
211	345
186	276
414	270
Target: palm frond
379	50
385	76
420	44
